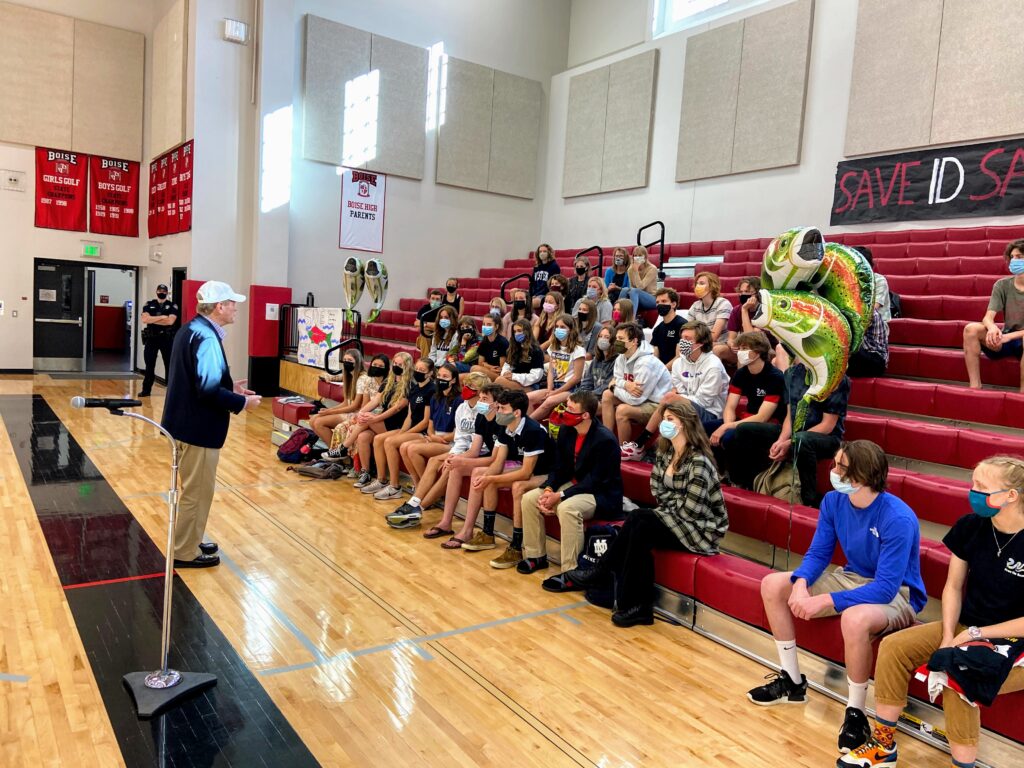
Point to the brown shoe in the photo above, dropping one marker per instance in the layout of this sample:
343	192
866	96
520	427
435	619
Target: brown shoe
507	559
479	542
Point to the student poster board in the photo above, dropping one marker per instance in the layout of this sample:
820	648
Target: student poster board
320	328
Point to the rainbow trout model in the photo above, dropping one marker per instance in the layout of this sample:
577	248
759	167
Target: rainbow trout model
376	285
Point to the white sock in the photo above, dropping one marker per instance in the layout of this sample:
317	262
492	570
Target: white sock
788	659
414	501
858	694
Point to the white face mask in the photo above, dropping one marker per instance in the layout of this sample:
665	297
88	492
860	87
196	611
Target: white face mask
743	357
638	260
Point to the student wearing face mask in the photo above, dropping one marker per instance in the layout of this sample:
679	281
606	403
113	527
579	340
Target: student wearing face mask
425	318
982	603
879	590
587	325
521	309
739	319
578	282
616	277
622	312
566	359
445	335
665	336
492	352
601	370
559	284
385	413
159	324
690	516
352	372
711	308
440	429
643	281
544	266
524	368
639	383
386	445
544	323
463	354
597	293
698	378
1007	299
452	298
367	385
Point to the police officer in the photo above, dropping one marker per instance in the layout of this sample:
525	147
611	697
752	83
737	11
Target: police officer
158	318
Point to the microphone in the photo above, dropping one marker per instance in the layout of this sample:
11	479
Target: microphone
103	402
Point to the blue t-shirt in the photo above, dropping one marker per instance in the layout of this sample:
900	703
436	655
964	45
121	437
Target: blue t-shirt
442	413
881	542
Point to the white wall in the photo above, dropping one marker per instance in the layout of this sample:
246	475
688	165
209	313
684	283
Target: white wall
117	285
455	231
600	27
758	204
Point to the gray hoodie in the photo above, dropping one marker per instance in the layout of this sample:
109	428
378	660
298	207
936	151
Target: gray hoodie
645	368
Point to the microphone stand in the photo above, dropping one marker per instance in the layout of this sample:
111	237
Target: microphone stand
155	691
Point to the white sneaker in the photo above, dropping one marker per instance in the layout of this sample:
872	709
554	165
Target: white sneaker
387	492
631	452
372	487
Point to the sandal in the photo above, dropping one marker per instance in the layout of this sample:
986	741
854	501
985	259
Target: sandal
453	543
436	533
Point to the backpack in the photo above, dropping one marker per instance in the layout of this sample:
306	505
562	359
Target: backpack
596	541
895	305
321	470
779	480
298	446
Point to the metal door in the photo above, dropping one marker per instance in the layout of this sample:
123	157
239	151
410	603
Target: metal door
59	310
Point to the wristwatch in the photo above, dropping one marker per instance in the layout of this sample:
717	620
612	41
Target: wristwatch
974	632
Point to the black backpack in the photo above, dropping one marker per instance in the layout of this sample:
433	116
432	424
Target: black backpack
895	305
596	542
298	447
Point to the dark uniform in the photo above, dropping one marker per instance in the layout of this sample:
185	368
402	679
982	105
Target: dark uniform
157	338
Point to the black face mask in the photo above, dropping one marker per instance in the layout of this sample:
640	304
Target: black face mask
419	376
583	316
519	304
396	369
744	297
378	372
161	296
348	365
581	270
452	288
443	385
664	309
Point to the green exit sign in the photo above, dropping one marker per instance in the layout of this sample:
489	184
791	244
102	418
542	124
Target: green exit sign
92	250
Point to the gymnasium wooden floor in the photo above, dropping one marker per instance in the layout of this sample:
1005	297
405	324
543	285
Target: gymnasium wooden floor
377	647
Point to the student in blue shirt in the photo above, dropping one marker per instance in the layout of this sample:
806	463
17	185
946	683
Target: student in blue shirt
878	591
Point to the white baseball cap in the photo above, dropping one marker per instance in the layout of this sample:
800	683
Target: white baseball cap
214	291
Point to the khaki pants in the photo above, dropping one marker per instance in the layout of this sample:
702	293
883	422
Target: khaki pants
902	653
572	512
197	468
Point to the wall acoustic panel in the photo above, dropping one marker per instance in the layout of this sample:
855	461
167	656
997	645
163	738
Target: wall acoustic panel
893	84
335	55
707	123
584	133
773	84
980	71
515	134
401	110
464	136
170	49
108	78
627	128
36	59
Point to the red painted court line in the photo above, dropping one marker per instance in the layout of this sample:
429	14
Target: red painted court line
114	581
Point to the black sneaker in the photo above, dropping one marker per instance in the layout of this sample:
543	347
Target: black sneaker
856	730
638	614
781	690
335	454
531	564
585	577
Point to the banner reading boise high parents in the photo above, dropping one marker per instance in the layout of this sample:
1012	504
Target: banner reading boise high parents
114	197
948	182
362	210
61	189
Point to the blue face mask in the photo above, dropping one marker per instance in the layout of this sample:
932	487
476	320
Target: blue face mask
561	333
487	330
520	338
1017	266
444	322
668	429
979	503
844	487
482	408
591	293
495	312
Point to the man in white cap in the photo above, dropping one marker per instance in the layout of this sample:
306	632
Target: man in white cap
201	397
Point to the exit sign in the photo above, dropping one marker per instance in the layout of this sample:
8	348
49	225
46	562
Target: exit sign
92	250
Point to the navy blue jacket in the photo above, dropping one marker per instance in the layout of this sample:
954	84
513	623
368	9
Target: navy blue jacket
200	392
597	470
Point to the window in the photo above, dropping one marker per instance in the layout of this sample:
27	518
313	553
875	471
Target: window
672	16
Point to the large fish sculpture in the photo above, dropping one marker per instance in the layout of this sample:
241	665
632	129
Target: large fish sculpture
352	282
800	260
816	332
376	286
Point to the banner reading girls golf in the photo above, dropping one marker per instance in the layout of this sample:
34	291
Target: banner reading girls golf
61	189
944	183
114	197
362	210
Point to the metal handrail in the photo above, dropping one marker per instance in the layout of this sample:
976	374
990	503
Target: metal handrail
660	242
504	284
353	342
599	269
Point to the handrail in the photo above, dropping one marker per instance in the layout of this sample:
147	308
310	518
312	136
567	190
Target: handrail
353	342
504	284
599	269
660	242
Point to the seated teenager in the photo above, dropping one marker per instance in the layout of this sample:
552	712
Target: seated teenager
452	298
987	336
544	266
711	308
578	282
559	284
566	359
386	445
757	444
544	323
492	352
879	590
463	354
445	336
586	478
616	277
597	293
520	461
639	383
698	378
522	308
622	312
872	358
368	386
433	477
601	370
665	336
883	303
440	430
524	368
982	603
739	320
690	517
587	325
497	309
352	376
384	413
425	317
643	281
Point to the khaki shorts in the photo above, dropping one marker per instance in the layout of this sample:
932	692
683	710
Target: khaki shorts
898	612
647	409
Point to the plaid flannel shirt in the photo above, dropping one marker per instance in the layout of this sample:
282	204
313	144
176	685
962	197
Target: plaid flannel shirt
876	337
690	502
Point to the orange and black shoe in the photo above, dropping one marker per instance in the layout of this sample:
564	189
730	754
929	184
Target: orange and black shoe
870	755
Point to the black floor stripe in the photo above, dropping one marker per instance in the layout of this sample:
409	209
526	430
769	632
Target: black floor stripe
92	536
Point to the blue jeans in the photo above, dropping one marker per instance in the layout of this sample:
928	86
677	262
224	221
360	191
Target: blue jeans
708	420
642	300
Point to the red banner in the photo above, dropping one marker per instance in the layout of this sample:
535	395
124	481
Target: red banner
113	197
173	163
185	187
61	189
153	221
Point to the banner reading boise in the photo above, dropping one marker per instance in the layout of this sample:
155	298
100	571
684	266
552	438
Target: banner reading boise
114	197
942	183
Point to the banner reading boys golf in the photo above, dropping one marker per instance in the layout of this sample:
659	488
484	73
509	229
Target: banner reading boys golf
362	211
114	197
943	183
